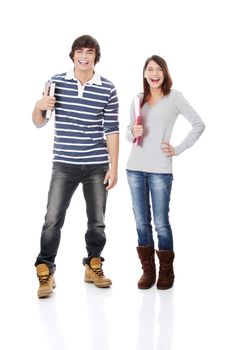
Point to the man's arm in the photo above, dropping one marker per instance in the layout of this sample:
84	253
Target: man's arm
38	116
113	150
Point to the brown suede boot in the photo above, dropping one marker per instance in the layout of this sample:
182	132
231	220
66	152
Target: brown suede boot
94	274
147	256
46	280
166	273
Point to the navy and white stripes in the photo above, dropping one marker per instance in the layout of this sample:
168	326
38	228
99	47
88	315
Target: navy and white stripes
83	116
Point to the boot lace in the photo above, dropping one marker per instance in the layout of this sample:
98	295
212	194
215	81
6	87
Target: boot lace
98	271
43	280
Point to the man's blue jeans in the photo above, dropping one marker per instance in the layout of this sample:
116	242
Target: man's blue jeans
65	179
151	188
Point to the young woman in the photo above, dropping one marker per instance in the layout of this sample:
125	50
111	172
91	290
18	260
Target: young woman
149	167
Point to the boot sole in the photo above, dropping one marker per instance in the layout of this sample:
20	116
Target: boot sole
106	285
147	287
165	287
45	294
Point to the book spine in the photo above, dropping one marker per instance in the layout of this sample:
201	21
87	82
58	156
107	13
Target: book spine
51	91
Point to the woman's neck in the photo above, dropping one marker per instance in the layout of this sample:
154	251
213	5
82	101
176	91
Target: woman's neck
156	93
155	96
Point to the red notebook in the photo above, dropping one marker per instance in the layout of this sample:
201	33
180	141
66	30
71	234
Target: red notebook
137	116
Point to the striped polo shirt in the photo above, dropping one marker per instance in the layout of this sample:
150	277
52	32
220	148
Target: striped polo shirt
84	115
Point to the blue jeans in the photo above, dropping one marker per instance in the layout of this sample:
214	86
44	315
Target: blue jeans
152	188
65	179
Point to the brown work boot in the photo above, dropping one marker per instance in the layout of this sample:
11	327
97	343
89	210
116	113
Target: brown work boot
147	256
46	279
166	272
94	274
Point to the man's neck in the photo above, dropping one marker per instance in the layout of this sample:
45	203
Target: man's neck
83	77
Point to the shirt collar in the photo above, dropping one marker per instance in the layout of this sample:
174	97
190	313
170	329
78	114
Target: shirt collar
94	80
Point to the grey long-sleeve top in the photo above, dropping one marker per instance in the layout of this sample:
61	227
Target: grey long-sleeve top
158	122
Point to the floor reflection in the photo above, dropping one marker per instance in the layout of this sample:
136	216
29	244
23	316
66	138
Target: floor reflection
50	324
146	321
98	323
165	320
156	320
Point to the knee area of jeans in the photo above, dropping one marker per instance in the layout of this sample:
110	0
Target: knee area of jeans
53	218
51	227
162	225
164	235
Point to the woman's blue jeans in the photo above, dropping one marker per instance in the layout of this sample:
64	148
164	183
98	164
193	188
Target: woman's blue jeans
65	179
146	189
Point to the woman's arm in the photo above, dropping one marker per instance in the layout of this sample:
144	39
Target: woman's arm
192	116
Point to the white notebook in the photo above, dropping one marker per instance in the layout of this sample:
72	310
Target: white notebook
49	90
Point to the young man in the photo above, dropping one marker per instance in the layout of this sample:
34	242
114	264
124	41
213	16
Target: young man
86	146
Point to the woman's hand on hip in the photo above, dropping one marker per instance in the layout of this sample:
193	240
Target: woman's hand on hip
168	149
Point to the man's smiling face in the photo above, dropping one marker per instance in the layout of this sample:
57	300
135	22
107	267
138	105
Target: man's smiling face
84	59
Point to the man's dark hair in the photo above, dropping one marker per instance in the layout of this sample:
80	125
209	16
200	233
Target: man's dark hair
86	41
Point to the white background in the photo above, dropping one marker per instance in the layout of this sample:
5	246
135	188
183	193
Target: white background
195	38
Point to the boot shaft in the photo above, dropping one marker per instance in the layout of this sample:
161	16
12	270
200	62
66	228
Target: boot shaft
146	255
166	272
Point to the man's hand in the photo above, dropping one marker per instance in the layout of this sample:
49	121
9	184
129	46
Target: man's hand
110	179
46	102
